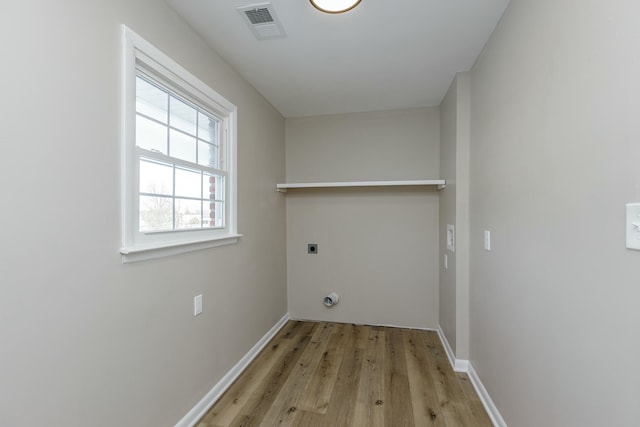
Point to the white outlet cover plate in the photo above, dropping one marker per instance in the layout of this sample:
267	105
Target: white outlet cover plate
633	226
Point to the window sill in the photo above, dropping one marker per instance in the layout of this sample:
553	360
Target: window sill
142	253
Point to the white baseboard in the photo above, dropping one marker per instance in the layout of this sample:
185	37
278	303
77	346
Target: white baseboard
493	412
216	392
460	365
383	325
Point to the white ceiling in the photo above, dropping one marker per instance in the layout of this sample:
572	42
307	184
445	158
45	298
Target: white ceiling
382	55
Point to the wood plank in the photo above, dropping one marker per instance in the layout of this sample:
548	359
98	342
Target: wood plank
293	327
342	404
369	410
284	407
260	402
474	404
239	394
442	376
343	398
317	394
426	406
398	408
453	402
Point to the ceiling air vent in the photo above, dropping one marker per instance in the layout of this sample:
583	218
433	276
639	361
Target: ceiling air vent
263	21
259	16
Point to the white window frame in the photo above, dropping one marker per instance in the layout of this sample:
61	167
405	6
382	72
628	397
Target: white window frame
137	246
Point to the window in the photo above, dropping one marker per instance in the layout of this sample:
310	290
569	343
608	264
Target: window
178	156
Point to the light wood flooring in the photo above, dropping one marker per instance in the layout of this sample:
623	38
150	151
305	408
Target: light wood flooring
343	375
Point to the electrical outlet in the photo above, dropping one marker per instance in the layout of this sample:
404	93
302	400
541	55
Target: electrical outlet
312	248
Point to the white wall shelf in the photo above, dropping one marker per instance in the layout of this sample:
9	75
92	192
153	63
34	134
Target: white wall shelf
440	183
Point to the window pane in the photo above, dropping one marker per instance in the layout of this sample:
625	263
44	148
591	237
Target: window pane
213	214
156	213
188	213
188	183
151	101
207	128
182	116
151	135
213	186
156	178
182	146
207	155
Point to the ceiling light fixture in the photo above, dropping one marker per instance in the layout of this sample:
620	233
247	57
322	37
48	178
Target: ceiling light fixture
334	6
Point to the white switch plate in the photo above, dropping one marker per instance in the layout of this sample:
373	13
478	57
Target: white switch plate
197	305
487	240
451	237
633	226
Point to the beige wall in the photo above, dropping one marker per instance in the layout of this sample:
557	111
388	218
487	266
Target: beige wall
378	248
84	339
454	210
555	149
447	214
381	145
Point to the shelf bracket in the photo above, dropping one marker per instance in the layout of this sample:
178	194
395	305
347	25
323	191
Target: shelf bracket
441	186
